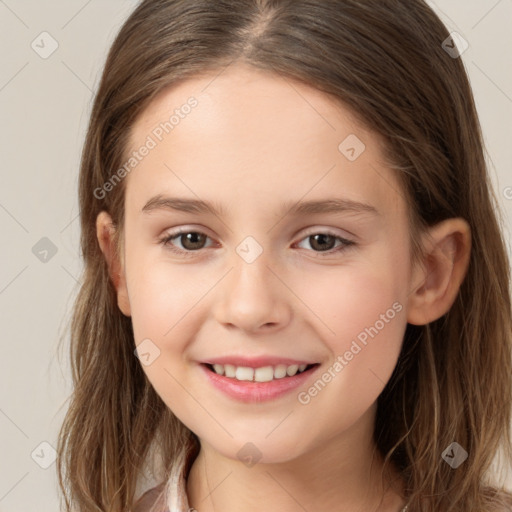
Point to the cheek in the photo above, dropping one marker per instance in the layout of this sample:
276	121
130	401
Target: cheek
350	300
163	300
367	315
161	295
362	309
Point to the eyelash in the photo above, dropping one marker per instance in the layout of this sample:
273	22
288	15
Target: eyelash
165	241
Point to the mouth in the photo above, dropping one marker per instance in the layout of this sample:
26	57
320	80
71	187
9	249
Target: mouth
262	374
256	385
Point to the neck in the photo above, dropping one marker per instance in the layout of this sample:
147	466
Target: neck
343	473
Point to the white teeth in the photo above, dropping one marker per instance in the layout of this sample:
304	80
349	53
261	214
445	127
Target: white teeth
292	370
243	373
263	374
230	370
280	371
218	369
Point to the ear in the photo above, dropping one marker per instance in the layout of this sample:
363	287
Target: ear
105	232
442	271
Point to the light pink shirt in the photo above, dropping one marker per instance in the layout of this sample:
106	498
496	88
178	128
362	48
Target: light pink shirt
170	496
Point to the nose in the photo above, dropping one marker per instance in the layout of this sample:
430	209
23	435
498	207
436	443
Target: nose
253	298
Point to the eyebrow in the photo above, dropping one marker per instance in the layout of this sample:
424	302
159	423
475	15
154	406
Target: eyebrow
329	205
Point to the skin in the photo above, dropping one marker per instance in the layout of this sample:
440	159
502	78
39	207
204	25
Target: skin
253	141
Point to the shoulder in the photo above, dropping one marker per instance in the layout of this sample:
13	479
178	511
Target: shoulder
152	500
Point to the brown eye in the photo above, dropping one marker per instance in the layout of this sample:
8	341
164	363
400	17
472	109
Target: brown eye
322	242
190	241
326	243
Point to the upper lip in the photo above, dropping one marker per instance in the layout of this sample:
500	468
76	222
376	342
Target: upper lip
255	362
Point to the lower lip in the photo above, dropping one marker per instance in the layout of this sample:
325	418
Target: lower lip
250	392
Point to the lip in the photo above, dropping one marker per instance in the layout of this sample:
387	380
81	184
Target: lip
254	392
255	362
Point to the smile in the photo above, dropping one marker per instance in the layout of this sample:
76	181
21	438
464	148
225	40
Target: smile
250	385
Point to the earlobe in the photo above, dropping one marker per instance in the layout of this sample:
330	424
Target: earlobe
444	266
105	232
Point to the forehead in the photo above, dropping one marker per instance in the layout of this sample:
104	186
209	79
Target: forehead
254	134
241	96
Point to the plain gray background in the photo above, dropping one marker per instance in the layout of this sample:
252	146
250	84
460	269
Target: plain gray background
44	105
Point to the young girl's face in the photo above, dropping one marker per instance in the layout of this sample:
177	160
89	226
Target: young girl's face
262	278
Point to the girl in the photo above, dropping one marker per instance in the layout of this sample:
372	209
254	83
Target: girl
296	292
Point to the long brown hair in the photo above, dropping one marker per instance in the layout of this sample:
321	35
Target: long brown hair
385	61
